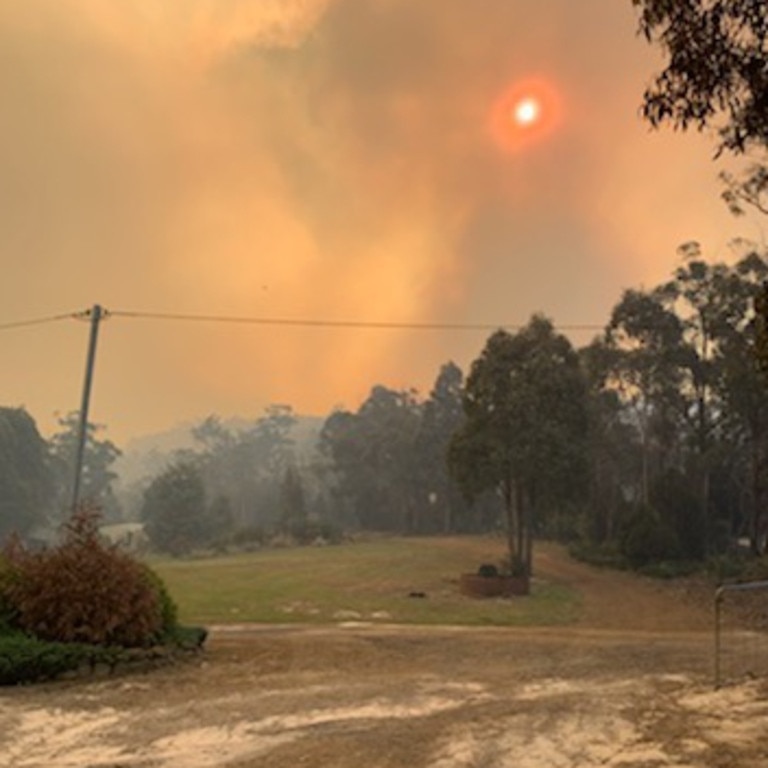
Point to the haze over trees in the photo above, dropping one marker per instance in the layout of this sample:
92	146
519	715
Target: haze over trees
97	478
174	511
650	443
36	476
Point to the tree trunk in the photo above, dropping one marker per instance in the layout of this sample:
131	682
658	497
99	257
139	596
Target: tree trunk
757	518
508	492
753	541
705	492
520	520
528	525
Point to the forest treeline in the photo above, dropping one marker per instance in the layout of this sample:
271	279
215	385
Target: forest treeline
650	443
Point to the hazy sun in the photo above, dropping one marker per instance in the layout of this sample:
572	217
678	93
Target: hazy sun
528	111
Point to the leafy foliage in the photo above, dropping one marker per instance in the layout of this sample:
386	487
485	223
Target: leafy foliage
8	613
716	75
245	466
26	479
676	375
99	456
293	508
716	70
648	538
388	461
373	452
25	659
525	405
174	509
85	591
442	415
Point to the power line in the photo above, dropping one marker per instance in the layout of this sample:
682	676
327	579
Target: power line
314	323
85	315
39	321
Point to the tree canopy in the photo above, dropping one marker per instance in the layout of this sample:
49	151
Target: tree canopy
716	76
716	72
175	509
98	475
244	465
26	479
525	430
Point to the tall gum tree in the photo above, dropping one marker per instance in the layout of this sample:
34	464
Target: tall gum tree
646	338
525	430
441	416
742	385
98	475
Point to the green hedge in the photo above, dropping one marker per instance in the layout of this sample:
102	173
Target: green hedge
25	659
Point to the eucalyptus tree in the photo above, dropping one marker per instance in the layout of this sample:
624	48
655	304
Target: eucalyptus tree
614	450
26	477
245	465
742	384
375	459
175	509
681	359
441	507
698	290
293	506
525	430
98	477
715	76
647	369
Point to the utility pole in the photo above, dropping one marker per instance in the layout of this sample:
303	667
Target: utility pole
96	315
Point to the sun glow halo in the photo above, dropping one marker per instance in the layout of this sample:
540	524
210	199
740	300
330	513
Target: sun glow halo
525	113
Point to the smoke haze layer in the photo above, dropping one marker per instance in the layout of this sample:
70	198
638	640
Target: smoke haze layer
317	160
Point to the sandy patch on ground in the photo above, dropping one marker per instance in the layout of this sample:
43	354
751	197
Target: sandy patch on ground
629	686
433	698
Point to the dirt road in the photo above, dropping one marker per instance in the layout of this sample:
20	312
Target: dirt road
628	686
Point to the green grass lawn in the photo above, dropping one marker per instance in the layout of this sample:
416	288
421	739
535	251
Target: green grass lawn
364	581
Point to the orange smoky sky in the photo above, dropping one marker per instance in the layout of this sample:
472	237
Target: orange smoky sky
325	159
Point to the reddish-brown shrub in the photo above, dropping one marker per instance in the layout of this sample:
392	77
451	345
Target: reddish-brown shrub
84	590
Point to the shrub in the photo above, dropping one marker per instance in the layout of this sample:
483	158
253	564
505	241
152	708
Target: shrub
251	534
606	555
310	531
727	567
86	591
25	659
647	539
169	621
8	613
188	638
488	571
755	569
675	502
670	569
